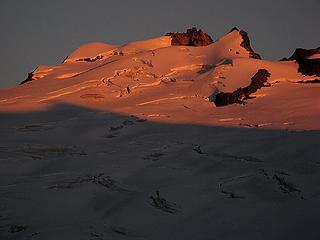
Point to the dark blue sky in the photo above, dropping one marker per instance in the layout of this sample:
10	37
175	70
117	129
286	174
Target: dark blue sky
45	31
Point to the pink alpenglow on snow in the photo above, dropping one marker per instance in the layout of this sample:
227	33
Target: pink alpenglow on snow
160	75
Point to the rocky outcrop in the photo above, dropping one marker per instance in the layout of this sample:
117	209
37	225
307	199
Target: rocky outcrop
64	60
306	66
90	59
257	81
30	77
303	53
192	37
309	66
246	43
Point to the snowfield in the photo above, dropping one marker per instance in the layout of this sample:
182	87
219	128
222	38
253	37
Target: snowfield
129	142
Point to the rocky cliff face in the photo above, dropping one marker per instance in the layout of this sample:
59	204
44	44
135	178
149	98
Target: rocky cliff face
257	81
306	66
309	66
29	78
192	37
303	53
246	43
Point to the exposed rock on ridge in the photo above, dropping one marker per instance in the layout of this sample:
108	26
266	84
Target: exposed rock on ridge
192	37
303	53
246	43
257	81
90	59
306	66
30	77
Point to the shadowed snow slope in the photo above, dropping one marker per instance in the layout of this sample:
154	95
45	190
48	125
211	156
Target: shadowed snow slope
75	173
176	84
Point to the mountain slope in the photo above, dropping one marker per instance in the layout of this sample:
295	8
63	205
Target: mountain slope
151	76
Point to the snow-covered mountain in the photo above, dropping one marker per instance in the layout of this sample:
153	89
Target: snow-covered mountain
181	75
177	137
